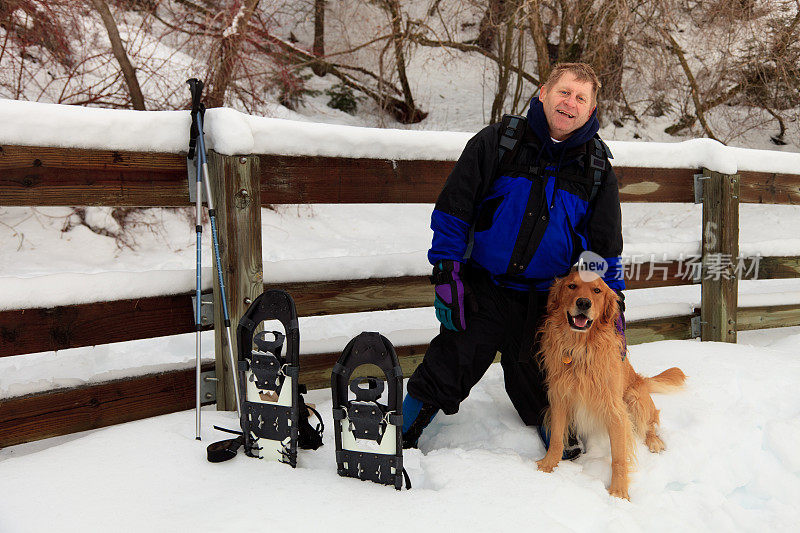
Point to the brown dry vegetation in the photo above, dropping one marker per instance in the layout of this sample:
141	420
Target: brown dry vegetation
715	67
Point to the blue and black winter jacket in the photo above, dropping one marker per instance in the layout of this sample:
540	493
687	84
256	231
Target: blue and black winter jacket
532	220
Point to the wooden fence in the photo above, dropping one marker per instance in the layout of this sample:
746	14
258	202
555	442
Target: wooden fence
37	176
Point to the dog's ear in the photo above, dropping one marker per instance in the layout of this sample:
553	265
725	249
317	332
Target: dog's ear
611	305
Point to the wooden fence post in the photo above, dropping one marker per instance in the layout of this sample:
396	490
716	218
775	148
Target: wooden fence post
235	186
720	287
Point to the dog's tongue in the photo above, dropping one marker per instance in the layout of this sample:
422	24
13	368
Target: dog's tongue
580	321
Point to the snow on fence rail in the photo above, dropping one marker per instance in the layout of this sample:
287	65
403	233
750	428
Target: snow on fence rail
108	175
230	132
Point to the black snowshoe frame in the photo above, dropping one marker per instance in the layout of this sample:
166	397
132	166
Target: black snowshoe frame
367	419
269	370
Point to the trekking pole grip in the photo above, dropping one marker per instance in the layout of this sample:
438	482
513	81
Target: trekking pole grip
196	88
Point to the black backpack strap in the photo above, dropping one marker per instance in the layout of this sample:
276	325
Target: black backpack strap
596	166
597	156
512	131
511	134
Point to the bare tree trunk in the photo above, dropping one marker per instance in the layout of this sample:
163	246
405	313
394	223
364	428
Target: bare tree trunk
698	106
515	105
228	54
506	50
397	38
137	99
561	52
539	39
319	37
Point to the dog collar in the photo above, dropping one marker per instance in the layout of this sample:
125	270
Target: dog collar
567	357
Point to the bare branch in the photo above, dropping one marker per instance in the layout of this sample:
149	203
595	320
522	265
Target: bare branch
464	47
393	8
676	49
137	99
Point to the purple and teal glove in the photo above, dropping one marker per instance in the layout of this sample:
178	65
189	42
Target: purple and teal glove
451	294
620	323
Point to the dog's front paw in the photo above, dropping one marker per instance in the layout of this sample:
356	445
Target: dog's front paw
654	443
619	492
546	466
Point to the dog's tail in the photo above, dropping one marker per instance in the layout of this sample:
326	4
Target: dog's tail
667	381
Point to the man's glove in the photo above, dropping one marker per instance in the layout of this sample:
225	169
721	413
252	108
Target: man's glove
451	294
620	300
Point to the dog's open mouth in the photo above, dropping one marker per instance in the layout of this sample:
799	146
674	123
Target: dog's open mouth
579	322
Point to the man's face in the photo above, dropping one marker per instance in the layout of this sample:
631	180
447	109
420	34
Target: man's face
568	104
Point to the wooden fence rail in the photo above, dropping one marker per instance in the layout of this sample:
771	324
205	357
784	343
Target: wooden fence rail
60	412
36	176
74	326
63	327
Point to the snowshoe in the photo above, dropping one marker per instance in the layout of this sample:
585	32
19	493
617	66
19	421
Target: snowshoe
368	433
269	389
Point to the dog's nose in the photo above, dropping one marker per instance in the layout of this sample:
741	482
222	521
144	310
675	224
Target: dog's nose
583	304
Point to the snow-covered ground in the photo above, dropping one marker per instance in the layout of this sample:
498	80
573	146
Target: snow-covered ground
731	464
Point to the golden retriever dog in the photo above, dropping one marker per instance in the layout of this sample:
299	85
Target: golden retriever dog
590	383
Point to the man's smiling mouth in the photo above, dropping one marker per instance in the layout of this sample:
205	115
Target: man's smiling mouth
565	113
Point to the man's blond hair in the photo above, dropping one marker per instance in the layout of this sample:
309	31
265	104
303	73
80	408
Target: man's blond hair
583	72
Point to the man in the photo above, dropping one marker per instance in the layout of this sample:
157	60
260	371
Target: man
502	235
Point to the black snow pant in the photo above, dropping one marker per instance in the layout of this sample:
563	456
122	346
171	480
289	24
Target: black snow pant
505	321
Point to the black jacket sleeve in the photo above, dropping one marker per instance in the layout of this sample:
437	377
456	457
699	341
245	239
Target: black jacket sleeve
605	229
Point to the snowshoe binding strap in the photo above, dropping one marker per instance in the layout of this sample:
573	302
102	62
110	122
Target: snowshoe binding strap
384	469
268	421
367	420
269	346
310	437
266	364
224	450
371	392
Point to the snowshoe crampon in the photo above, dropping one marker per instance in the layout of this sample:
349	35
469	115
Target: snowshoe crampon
268	378
367	432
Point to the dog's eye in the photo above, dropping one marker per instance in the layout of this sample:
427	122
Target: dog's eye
596	290
572	286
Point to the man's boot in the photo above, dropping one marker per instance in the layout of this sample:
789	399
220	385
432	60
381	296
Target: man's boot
416	417
572	448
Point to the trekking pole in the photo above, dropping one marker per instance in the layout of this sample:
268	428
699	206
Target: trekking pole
203	165
196	88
